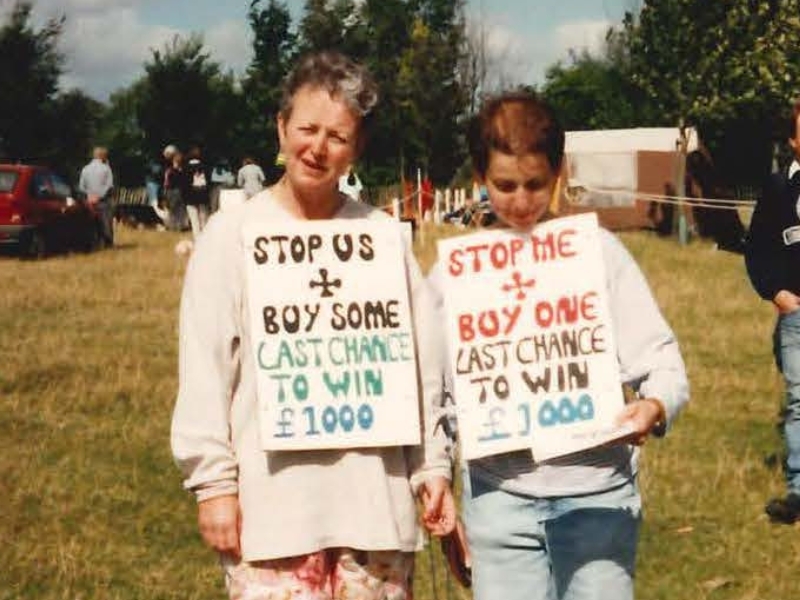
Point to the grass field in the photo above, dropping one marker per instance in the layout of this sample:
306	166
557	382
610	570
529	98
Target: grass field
92	505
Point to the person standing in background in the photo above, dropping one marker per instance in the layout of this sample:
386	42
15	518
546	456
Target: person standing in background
350	185
197	198
221	179
97	181
152	182
772	258
250	178
175	188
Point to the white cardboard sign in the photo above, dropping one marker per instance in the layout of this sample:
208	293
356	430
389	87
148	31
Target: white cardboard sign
332	334
530	340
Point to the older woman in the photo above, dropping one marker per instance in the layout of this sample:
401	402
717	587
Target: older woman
318	523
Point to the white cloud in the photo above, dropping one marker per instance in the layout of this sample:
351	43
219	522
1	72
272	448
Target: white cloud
106	49
525	58
106	43
230	43
506	51
581	35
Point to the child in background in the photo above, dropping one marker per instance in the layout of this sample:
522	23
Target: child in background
567	528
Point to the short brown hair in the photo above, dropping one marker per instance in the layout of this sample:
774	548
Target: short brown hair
517	123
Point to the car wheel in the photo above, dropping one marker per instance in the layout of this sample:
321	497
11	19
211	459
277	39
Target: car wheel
35	245
94	241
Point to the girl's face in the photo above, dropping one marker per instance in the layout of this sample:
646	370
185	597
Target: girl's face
319	141
520	187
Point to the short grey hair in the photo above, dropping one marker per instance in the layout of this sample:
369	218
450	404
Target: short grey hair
342	77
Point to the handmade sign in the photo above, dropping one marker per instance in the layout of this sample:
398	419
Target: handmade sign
530	339
332	334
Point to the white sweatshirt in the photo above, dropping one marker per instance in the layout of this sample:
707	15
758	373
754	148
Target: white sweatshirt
292	502
649	360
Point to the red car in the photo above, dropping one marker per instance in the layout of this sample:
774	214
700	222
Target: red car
38	213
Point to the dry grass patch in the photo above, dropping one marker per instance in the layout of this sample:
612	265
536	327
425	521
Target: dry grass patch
92	502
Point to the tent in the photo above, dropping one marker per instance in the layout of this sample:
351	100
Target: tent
610	171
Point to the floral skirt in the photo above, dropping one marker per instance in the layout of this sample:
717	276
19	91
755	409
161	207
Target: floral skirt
332	574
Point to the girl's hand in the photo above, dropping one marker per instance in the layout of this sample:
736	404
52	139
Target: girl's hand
786	302
643	416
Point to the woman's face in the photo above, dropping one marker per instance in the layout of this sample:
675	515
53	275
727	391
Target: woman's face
319	140
519	187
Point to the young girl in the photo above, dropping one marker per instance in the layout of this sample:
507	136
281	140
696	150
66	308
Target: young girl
567	528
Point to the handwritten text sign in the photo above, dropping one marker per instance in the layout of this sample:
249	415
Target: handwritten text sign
332	334
530	339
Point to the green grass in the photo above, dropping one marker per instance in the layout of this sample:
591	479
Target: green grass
93	507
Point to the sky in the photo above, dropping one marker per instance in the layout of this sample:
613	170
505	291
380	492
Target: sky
106	42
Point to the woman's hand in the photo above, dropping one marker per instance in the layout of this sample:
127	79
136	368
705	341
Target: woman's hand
219	519
642	415
439	507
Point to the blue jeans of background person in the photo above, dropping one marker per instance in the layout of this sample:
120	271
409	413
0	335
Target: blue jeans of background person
153	190
786	345
566	548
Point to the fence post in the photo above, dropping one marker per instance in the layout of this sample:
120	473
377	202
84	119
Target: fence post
680	183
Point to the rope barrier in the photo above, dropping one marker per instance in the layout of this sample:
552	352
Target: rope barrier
716	203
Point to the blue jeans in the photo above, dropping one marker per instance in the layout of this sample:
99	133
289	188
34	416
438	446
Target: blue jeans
786	346
152	192
567	548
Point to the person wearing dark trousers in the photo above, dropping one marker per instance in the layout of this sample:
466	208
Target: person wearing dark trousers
197	198
772	257
715	220
176	188
96	182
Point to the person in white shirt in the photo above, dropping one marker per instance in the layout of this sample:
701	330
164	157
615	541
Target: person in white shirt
250	178
325	524
96	182
350	185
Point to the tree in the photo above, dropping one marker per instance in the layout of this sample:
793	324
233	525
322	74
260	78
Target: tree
275	48
431	92
75	119
412	48
332	24
121	131
30	66
728	67
595	92
186	100
387	25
